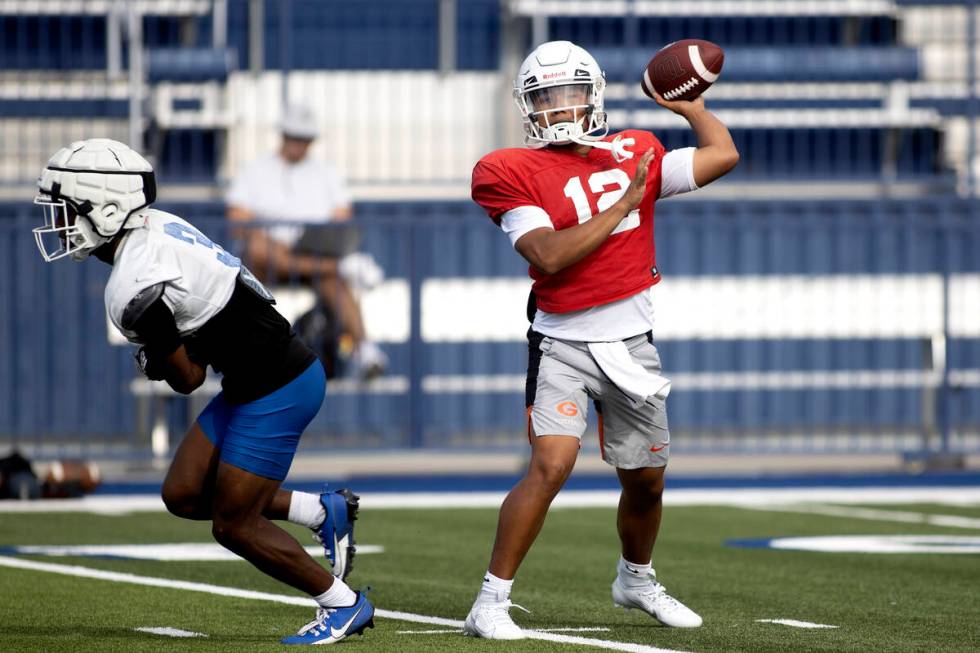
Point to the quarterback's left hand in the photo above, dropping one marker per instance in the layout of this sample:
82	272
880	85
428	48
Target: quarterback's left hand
146	367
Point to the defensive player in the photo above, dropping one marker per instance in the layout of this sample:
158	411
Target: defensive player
578	205
190	304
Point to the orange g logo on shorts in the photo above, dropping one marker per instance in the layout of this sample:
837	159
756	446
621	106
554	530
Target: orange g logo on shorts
567	408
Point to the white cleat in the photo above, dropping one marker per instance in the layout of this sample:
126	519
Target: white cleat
654	600
491	620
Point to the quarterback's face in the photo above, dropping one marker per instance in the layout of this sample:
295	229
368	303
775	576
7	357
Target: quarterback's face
560	103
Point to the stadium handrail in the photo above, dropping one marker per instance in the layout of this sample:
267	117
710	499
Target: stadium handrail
703	8
767	64
787	118
103	7
777	90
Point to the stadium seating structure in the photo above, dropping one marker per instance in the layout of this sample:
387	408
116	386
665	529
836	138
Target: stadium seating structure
808	86
853	119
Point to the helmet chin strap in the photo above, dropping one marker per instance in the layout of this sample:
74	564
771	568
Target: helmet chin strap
617	146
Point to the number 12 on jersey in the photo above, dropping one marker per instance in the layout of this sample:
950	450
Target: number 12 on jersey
598	181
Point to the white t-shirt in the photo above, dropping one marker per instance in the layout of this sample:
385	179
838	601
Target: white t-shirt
199	274
273	189
619	319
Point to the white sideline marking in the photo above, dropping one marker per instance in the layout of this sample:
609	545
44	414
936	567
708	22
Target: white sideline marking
184	552
585	629
951	521
105	504
122	504
169	632
119	577
794	623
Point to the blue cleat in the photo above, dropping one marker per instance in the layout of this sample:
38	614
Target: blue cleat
336	533
334	624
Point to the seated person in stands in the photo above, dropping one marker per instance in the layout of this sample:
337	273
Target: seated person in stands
291	186
231	463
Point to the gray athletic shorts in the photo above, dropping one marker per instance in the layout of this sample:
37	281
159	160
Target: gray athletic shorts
562	376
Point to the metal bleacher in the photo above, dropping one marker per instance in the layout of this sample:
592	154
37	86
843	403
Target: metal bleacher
823	297
70	68
808	83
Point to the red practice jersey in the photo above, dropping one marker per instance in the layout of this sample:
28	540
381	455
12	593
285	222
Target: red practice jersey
571	189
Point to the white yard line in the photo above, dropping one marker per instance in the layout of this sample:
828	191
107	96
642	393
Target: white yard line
169	632
122	504
586	629
119	577
951	521
794	623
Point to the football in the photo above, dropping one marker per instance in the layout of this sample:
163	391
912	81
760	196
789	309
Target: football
70	478
683	70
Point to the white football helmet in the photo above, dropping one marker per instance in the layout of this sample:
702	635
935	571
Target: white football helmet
90	191
559	76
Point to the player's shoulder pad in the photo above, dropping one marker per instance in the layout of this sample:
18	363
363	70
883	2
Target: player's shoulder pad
139	303
644	139
158	215
154	220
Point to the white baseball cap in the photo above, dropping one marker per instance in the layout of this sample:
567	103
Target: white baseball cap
299	122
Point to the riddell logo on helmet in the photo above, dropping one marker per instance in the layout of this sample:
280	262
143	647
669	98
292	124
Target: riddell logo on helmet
567	408
553	75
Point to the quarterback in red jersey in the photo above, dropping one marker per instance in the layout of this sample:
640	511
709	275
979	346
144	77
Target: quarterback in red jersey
578	205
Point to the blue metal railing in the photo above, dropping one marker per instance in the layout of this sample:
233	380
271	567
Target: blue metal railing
457	383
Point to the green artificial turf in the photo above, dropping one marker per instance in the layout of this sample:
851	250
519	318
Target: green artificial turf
433	564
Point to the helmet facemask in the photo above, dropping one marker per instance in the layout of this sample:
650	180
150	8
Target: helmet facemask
64	232
580	104
558	114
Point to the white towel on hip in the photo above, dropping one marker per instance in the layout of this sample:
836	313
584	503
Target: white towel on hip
629	376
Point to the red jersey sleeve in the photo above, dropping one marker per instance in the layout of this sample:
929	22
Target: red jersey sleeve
497	190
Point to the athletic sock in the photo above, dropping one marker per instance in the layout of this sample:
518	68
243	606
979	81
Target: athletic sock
338	596
632	574
494	590
305	509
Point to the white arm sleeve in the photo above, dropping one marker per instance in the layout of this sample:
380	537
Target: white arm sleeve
523	219
677	172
